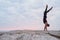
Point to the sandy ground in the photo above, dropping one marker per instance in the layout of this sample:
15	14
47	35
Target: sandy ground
30	35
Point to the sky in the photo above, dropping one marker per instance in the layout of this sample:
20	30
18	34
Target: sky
28	14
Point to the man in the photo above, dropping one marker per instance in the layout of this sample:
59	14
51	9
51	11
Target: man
45	18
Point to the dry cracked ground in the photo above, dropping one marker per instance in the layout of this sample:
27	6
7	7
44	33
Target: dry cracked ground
30	35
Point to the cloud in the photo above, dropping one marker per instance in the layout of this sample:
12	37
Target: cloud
26	14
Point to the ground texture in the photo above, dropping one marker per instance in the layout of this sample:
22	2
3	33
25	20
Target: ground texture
30	35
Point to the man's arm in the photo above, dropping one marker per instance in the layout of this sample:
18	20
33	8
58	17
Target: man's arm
49	9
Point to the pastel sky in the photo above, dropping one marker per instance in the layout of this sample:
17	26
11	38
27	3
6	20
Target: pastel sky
28	14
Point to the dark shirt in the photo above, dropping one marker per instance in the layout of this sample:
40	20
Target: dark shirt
45	16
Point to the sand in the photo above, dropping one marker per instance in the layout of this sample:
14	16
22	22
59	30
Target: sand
30	35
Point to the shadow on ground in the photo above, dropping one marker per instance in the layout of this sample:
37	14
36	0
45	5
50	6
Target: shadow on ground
54	35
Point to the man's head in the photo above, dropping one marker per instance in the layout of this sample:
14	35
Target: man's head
48	25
